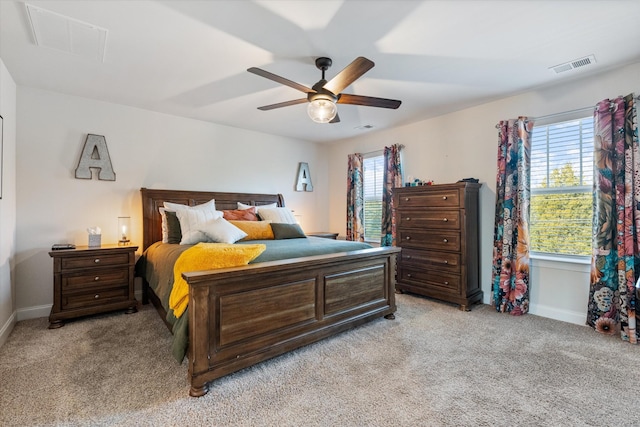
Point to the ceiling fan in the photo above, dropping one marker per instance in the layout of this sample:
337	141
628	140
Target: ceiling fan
324	95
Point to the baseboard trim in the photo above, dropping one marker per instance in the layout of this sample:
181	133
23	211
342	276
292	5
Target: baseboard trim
7	328
44	310
575	317
34	312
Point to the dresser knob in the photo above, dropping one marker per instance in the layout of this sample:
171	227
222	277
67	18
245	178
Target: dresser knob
446	261
445	240
445	220
96	278
406	199
444	197
408	219
446	283
97	260
96	296
408	257
408	237
408	274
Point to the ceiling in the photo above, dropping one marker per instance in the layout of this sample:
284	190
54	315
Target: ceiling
189	58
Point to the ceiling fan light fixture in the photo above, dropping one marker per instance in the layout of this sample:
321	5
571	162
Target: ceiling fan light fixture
322	110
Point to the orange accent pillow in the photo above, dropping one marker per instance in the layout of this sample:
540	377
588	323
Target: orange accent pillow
256	230
241	214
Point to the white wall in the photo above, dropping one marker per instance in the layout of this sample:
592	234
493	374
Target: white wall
7	203
147	149
464	144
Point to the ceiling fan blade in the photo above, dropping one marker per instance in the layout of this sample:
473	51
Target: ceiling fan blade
349	74
368	101
281	80
336	119
283	104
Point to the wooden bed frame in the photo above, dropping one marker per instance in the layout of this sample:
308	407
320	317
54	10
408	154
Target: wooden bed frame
244	315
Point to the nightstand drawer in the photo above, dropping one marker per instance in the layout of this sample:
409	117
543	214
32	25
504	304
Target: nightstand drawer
96	298
102	277
94	261
429	218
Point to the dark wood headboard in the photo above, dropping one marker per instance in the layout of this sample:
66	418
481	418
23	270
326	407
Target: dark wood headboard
154	199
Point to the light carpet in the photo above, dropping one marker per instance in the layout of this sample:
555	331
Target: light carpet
434	365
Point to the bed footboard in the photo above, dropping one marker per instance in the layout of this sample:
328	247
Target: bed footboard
241	316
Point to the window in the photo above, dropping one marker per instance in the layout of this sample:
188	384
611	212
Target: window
373	168
562	187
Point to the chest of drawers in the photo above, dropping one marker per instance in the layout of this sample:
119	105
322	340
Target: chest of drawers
437	229
92	280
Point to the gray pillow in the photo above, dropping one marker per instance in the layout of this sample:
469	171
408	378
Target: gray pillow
286	231
174	232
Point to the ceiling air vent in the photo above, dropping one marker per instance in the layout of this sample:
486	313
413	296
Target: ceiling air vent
60	32
576	63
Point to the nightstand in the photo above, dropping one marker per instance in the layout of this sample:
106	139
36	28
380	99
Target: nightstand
324	234
89	280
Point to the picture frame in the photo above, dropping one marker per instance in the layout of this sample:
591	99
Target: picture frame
1	152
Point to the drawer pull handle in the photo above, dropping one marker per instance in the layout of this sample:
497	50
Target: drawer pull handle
408	237
445	220
96	278
446	261
445	240
406	199
444	197
408	274
97	260
408	257
446	283
96	296
408	218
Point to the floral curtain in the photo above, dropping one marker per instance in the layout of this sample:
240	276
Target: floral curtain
392	178
355	204
616	219
510	273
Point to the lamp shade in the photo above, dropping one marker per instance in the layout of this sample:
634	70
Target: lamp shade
322	110
124	228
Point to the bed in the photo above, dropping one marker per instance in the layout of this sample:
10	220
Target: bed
240	316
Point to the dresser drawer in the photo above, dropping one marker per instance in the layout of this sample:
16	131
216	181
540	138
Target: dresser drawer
96	298
443	198
445	261
440	240
94	261
429	218
97	277
429	278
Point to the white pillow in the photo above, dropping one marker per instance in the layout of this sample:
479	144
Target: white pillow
211	204
277	215
190	221
242	206
222	231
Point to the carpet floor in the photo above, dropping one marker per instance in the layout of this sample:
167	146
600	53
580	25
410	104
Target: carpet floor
432	366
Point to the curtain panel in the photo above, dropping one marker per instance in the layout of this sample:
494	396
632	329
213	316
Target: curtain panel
615	265
355	203
392	178
510	272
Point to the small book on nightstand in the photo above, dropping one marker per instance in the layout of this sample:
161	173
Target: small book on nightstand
62	246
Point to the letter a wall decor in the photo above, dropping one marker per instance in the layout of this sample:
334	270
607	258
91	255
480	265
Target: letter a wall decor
304	178
95	155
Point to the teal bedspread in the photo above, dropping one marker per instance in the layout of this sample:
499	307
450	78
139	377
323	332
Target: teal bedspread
156	267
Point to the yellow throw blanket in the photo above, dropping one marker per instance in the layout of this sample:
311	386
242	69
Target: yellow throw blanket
207	256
